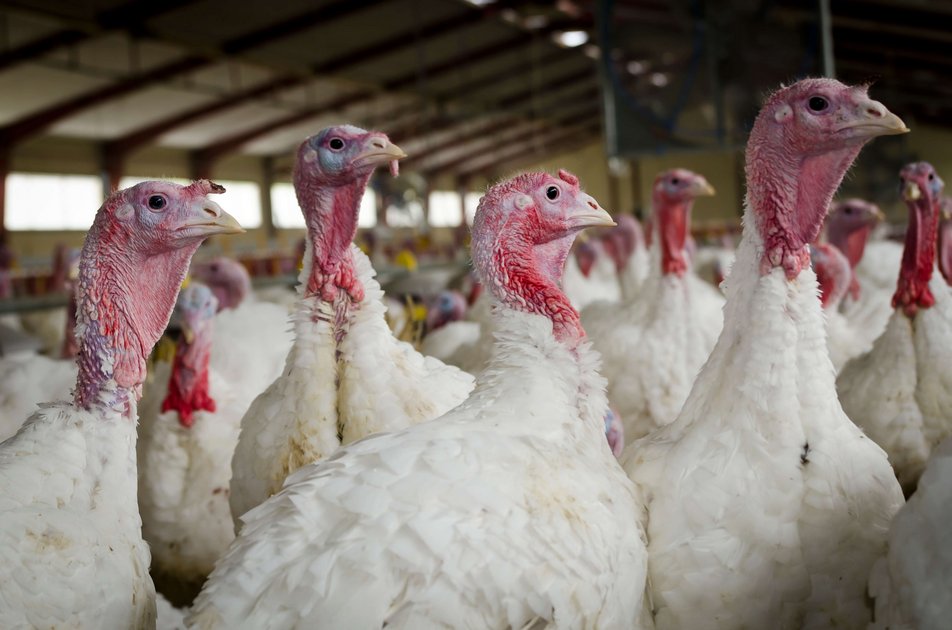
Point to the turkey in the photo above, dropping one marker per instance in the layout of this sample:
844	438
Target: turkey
850	226
449	335
900	392
71	550
834	277
590	276
654	344
625	243
911	584
508	511
189	420
227	278
945	240
766	506
346	376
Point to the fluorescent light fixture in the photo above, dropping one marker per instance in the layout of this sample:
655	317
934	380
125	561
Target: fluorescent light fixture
571	39
637	67
659	79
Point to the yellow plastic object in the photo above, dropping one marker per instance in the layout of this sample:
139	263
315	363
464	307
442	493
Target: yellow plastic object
164	350
187	281
417	312
406	259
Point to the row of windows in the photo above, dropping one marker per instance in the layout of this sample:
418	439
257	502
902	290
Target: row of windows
69	202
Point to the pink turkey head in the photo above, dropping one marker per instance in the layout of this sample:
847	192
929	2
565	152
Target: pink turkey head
804	139
833	273
848	228
623	240
227	278
448	306
922	192
522	234
131	267
672	196
585	256
330	176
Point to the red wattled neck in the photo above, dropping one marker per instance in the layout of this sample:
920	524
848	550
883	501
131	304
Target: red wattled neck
527	278
789	196
124	301
188	385
918	258
945	250
330	213
672	219
70	344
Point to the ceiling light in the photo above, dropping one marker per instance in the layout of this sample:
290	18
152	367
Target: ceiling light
592	51
571	39
534	22
637	67
480	3
659	79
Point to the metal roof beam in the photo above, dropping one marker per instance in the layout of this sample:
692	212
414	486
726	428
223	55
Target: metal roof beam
23	128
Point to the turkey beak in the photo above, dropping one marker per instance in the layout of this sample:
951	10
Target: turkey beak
380	151
187	332
911	192
208	218
591	215
701	188
875	120
878	215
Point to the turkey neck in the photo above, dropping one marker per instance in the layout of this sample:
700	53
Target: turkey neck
188	385
789	196
124	300
527	278
672	219
918	257
330	212
945	249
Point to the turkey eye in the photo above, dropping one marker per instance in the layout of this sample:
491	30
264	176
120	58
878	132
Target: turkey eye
552	193
675	181
931	176
336	144
818	103
156	202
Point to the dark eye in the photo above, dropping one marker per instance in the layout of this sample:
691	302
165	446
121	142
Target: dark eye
675	181
552	193
818	103
336	144
931	176
156	202
849	210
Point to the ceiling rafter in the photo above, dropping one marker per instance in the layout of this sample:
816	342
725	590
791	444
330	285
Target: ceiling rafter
21	129
126	17
147	134
204	158
493	153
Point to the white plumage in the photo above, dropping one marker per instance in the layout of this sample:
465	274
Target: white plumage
28	379
913	582
332	394
601	283
900	392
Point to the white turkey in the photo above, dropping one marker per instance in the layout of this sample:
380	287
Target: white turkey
590	275
834	277
654	344
911	585
900	392
507	512
766	506
346	375
71	549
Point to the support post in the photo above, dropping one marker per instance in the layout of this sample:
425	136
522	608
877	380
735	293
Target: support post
4	171
826	38
267	211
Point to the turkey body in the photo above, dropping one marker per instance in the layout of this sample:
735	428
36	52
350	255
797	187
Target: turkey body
335	392
911	584
898	393
25	381
508	510
781	504
71	554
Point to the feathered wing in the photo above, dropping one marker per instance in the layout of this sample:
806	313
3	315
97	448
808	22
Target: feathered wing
26	381
64	469
911	584
384	383
459	522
